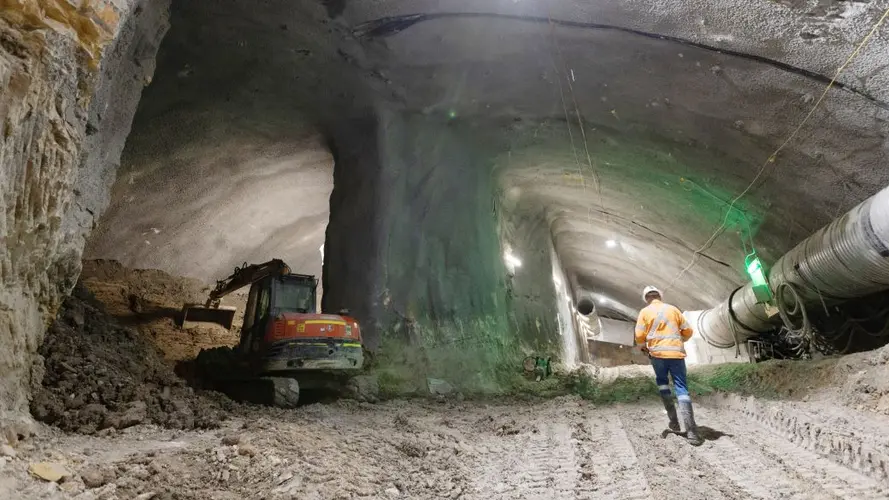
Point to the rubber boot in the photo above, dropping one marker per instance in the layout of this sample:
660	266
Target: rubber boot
671	412
691	428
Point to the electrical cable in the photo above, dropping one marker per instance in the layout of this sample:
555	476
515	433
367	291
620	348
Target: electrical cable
735	336
595	174
774	155
804	331
559	75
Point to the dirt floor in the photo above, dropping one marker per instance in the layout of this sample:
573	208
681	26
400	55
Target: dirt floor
119	424
563	448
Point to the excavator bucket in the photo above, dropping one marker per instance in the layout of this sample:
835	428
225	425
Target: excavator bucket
197	314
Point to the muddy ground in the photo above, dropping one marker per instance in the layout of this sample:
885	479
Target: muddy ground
564	448
118	423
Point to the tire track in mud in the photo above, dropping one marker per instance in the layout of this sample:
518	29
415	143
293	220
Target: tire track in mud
539	464
551	467
615	470
828	479
753	475
841	446
669	464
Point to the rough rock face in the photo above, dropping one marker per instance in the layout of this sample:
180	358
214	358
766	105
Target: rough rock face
430	248
69	82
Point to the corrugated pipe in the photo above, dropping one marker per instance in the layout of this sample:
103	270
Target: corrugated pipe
846	259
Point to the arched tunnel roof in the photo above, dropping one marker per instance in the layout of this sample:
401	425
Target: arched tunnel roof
627	127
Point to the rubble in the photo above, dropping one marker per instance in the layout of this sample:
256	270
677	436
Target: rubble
93	478
439	387
49	471
100	375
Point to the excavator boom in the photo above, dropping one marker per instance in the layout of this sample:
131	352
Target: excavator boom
212	311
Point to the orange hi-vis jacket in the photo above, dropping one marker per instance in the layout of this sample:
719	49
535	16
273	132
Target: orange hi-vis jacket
663	330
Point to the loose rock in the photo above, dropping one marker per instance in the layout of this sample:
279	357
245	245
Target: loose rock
93	478
439	387
102	375
49	471
247	449
231	440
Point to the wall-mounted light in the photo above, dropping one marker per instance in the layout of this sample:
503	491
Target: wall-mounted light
610	243
512	260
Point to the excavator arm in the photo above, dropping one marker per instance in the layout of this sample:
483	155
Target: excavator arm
246	275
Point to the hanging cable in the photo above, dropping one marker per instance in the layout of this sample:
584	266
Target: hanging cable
597	180
801	335
774	155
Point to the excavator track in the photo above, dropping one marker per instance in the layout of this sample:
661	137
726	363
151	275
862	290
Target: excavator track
219	369
270	391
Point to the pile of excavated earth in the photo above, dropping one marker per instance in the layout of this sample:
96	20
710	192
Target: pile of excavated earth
108	358
122	424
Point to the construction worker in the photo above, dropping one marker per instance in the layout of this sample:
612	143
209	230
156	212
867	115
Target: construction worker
661	330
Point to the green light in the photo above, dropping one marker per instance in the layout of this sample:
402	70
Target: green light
452	114
754	269
760	283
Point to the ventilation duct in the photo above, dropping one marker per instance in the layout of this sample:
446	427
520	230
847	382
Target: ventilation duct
586	306
848	258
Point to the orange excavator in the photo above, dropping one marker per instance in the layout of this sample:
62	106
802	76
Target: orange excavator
285	343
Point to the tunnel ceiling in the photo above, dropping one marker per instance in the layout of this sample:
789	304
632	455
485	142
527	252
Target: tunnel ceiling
635	122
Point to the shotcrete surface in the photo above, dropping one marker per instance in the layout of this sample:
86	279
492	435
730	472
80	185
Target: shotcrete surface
606	134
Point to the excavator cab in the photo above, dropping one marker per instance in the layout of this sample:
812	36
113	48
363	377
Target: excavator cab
270	298
283	331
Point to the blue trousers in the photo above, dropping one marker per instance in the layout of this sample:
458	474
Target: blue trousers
674	368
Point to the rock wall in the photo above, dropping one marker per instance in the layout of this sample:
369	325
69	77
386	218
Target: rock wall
412	218
413	247
69	83
532	290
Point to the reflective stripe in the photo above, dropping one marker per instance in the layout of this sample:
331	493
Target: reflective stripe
658	325
684	397
664	387
666	348
665	337
661	319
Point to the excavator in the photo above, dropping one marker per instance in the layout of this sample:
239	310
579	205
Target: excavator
285	344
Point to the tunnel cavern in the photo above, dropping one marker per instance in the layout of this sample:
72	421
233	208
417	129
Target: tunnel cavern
445	243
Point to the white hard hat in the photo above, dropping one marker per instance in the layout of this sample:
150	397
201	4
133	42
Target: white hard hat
649	289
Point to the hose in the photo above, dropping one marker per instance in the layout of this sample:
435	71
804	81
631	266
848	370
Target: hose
801	335
804	330
844	260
